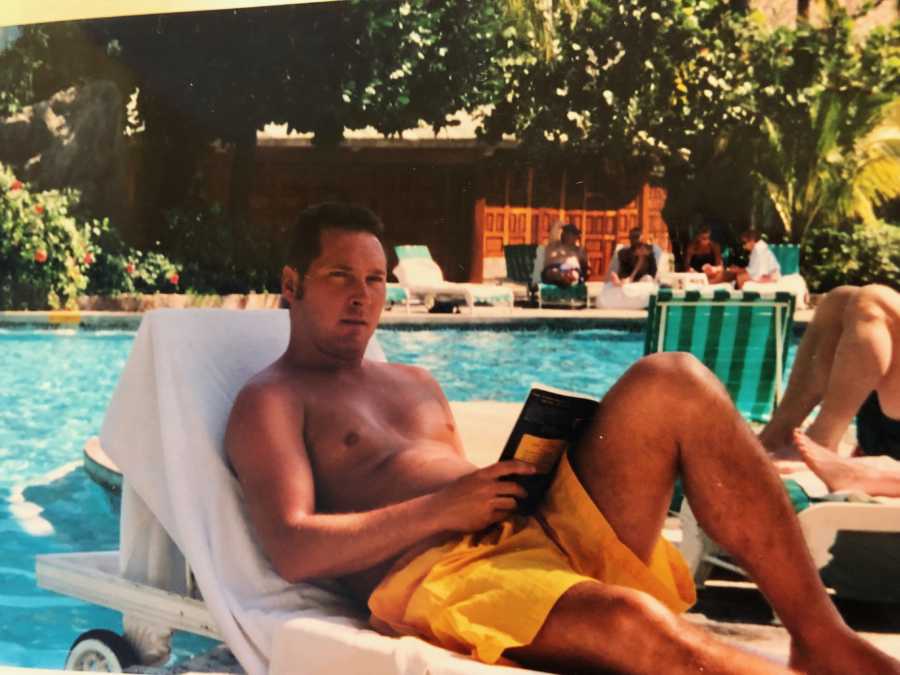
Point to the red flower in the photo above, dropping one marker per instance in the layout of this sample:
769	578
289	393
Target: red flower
174	278
88	258
16	185
39	209
40	256
129	268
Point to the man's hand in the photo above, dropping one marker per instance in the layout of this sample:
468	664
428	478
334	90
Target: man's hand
483	497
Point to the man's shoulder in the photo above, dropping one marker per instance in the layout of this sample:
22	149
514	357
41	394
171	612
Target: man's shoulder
269	387
400	371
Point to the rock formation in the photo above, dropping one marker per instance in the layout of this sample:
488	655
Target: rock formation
74	139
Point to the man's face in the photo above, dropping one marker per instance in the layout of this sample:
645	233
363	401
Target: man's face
748	244
634	238
703	239
339	300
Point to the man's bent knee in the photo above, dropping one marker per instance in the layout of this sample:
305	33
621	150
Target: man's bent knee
664	366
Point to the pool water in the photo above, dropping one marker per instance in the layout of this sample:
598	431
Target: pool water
54	388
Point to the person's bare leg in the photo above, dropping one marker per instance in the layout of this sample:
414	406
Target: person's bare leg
863	362
877	476
628	460
810	372
597	627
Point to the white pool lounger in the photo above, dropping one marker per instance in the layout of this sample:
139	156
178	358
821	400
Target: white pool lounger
180	504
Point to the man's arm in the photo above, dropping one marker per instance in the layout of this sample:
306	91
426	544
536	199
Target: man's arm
264	442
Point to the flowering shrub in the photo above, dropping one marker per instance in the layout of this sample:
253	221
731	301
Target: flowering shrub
48	255
44	251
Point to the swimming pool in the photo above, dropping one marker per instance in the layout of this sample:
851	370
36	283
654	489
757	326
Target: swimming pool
54	388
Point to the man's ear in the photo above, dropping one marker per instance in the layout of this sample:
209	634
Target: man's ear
291	286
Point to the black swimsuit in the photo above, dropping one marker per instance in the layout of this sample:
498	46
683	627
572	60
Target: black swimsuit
698	260
876	433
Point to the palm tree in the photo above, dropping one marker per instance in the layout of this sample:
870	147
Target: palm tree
877	165
840	159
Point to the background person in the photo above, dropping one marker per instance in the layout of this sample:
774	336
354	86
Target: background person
565	262
704	255
636	261
849	362
763	266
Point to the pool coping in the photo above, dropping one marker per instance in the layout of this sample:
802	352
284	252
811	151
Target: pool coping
480	318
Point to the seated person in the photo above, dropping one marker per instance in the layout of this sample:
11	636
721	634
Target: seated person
704	255
849	362
763	266
636	261
354	469
565	262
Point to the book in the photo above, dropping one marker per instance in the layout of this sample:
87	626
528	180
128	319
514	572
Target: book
550	422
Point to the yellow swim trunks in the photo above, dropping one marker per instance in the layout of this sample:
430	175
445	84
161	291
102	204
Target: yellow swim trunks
483	593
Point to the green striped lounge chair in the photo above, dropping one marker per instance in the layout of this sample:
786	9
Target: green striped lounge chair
423	279
741	337
524	263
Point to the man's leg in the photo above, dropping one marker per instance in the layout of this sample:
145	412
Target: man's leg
864	361
646	432
810	373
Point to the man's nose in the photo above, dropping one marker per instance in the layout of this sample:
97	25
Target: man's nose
361	292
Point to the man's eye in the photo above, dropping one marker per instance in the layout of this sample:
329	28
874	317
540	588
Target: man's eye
376	280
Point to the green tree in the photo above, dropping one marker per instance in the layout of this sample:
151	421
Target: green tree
820	96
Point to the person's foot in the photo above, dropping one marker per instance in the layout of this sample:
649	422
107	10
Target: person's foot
779	444
835	471
839	657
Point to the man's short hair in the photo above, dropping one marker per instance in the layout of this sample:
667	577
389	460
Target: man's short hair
306	244
750	235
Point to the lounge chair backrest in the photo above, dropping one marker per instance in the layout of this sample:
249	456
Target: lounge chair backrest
788	257
418	272
520	261
741	337
412	252
416	267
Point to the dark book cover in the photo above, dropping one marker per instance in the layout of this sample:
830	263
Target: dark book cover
551	421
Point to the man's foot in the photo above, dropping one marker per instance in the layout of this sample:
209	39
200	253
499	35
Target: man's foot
836	472
840	657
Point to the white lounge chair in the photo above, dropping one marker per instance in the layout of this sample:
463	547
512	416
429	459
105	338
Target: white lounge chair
188	558
855	546
423	279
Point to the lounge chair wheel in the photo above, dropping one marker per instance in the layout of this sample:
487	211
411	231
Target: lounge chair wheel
102	651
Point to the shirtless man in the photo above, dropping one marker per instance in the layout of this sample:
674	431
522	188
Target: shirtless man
565	262
636	261
849	361
354	469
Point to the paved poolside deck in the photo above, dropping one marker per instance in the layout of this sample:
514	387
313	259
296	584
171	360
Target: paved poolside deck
487	317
